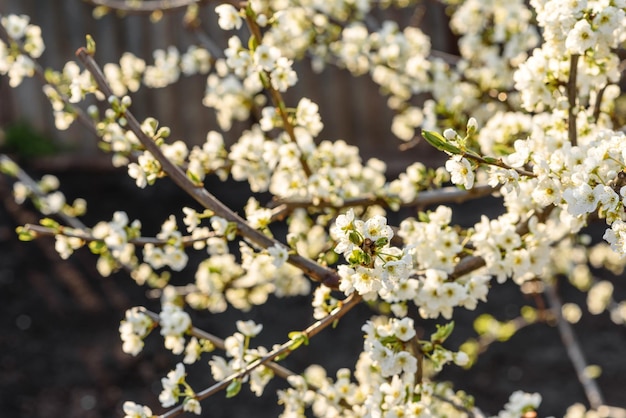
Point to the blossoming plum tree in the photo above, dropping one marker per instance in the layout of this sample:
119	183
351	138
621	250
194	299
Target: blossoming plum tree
526	113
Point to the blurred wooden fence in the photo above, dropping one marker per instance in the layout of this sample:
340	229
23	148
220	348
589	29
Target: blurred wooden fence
352	108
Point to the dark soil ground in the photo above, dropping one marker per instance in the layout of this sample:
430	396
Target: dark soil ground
60	353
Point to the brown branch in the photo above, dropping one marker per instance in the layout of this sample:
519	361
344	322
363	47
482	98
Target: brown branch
84	235
496	162
32	185
458	407
316	271
469	264
575	353
147	7
277	98
424	198
598	104
279	370
284	349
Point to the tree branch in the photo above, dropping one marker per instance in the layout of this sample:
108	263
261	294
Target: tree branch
316	271
83	234
40	73
572	346
147	7
279	370
286	348
36	190
424	198
277	98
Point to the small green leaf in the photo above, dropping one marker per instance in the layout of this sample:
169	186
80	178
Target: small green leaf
298	338
355	238
529	313
484	324
194	178
593	371
442	333
233	388
50	76
24	234
506	331
253	43
91	45
438	141
100	11
49	223
381	242
491	160
470	347
426	347
97	247
9	167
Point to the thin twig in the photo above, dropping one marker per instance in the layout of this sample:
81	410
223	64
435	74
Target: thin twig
444	195
316	271
277	98
349	303
597	107
279	370
471	263
497	163
40	73
575	353
83	234
36	190
147	7
461	408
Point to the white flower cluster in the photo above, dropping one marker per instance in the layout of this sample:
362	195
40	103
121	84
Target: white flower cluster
276	164
175	387
417	273
551	181
240	356
131	71
396	60
13	62
506	253
388	348
73	84
303	27
133	410
208	158
385	377
375	268
221	280
241	77
415	178
46	196
582	180
494	39
174	323
133	329
436	247
307	238
586	28
519	404
172	253
115	235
